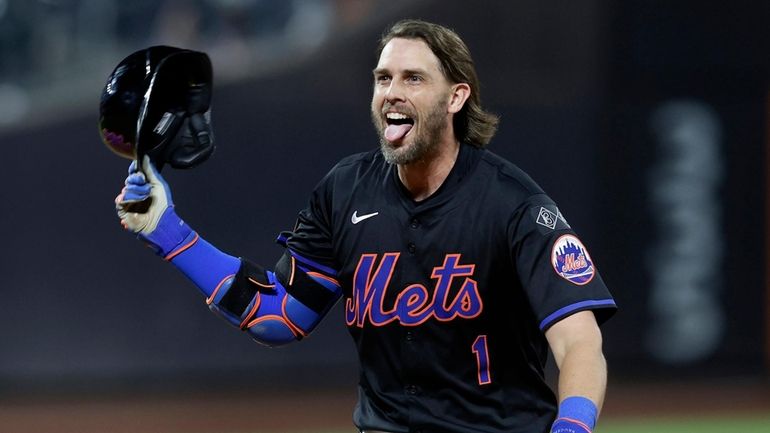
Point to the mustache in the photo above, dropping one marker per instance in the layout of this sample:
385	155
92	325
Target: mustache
401	108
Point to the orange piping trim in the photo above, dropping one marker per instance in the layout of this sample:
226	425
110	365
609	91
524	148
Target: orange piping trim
294	328
271	317
183	248
269	286
324	277
581	424
291	278
253	311
210	299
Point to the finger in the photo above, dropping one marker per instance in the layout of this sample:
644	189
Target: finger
132	168
151	172
136	179
154	178
120	197
136	192
134	221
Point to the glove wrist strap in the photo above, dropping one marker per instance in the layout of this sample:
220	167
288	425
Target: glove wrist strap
170	236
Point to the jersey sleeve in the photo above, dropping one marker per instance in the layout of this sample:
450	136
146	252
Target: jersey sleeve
555	269
310	241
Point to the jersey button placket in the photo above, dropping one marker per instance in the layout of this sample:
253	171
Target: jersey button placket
414	223
411	247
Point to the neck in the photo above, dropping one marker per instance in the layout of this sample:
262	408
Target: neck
424	177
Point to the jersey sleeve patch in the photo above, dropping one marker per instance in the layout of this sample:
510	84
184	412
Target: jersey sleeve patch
571	261
548	218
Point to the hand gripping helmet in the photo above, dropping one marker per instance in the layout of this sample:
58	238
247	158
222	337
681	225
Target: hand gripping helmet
156	102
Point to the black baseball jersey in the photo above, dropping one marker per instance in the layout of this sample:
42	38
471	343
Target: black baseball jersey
447	299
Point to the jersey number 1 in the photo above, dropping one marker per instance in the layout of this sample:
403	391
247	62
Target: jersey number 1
479	347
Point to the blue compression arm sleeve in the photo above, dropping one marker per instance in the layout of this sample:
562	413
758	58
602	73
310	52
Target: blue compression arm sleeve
254	299
204	264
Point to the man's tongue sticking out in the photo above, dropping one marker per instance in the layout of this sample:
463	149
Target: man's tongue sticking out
397	132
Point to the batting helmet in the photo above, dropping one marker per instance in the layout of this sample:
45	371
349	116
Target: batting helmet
157	103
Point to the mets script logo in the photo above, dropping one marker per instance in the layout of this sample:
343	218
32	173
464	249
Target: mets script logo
415	303
571	261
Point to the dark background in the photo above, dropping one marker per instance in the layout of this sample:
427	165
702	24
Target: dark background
578	86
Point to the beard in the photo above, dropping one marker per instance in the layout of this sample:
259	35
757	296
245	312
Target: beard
425	141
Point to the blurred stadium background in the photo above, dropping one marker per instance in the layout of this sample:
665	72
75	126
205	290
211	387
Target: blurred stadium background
648	121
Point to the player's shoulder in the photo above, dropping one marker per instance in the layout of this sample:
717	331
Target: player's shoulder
350	170
360	159
527	206
508	175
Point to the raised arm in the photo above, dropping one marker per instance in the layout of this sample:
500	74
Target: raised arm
275	307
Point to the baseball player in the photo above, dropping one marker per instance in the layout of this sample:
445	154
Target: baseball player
457	272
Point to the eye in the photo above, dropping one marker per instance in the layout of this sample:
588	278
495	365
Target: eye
382	79
414	79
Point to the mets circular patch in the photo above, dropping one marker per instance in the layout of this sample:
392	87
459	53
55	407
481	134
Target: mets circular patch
571	261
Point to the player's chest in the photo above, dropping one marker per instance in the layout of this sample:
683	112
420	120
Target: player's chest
418	239
412	265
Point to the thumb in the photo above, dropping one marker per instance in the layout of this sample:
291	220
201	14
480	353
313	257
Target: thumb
156	180
153	176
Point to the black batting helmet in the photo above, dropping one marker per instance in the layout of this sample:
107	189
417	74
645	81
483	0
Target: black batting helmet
157	102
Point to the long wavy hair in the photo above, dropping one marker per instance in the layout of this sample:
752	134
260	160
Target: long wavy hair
472	124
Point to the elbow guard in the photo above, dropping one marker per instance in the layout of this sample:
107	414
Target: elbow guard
275	308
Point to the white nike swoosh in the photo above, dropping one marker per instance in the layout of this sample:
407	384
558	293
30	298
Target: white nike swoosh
355	219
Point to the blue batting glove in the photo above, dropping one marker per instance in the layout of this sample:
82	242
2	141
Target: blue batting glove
158	225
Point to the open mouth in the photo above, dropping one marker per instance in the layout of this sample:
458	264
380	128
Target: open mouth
399	125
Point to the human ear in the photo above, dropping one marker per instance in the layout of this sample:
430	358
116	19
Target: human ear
459	94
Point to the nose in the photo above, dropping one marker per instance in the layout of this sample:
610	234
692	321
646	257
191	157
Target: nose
394	91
